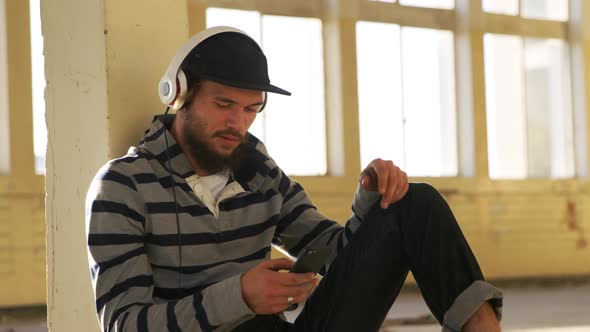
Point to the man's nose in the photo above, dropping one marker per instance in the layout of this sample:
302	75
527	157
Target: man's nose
236	118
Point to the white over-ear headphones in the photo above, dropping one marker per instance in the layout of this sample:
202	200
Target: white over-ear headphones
173	84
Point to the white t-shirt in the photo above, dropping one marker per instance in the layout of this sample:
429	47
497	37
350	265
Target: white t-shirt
215	183
208	188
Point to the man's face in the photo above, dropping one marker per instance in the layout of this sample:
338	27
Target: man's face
217	121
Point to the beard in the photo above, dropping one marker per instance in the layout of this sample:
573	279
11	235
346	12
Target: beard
207	158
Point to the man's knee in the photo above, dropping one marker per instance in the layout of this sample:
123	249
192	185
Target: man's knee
424	192
420	198
419	194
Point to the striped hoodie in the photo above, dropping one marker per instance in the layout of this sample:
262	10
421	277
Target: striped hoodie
151	274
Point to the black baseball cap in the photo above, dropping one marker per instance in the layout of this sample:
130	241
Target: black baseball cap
230	58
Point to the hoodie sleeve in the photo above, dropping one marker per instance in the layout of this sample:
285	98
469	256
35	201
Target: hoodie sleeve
302	226
121	273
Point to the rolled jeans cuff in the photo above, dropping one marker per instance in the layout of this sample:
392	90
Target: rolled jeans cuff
467	303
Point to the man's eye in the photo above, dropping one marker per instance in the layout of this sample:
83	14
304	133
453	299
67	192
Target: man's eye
223	105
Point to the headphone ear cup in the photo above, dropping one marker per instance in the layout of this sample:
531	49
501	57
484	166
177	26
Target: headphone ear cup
263	102
181	89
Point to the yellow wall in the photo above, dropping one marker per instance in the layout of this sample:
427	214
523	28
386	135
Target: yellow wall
103	62
516	229
22	199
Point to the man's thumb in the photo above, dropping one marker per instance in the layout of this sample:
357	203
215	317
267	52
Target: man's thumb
366	182
279	264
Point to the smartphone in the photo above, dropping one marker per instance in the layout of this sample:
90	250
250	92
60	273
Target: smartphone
311	260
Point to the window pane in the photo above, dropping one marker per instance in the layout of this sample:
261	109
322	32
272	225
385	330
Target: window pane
545	9
4	129
429	102
38	81
507	7
548	109
529	111
506	122
249	22
407	98
380	92
290	126
245	20
295	126
446	4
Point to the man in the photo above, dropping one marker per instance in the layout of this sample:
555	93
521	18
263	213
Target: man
180	229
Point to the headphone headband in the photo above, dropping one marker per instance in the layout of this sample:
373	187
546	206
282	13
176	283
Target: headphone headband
168	87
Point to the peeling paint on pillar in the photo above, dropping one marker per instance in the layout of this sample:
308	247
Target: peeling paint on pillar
573	224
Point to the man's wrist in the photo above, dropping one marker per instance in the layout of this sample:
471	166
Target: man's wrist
242	288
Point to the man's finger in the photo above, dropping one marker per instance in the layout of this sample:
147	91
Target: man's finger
388	194
278	264
366	182
403	188
406	185
294	279
392	182
380	169
296	291
399	185
300	295
369	178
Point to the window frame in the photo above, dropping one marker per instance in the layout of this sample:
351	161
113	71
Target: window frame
468	22
425	18
568	32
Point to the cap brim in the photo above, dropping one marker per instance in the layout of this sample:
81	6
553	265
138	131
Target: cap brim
248	85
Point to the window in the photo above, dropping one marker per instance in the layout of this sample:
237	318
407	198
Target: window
4	129
545	9
536	9
507	7
38	82
406	89
528	84
529	111
448	4
290	126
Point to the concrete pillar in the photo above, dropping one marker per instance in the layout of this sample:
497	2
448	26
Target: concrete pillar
104	59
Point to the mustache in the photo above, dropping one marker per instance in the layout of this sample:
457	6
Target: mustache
231	132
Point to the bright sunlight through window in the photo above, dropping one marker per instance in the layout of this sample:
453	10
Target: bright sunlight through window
407	109
4	129
506	7
293	128
529	111
538	9
445	4
546	9
38	79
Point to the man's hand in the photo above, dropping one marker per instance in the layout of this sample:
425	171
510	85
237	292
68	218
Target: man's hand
386	178
266	291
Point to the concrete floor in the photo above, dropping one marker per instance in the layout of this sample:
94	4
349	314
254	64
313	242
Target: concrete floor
538	308
548	308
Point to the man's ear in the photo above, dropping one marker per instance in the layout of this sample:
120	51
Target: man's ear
183	109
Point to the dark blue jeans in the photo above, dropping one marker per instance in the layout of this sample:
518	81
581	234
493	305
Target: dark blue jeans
419	234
